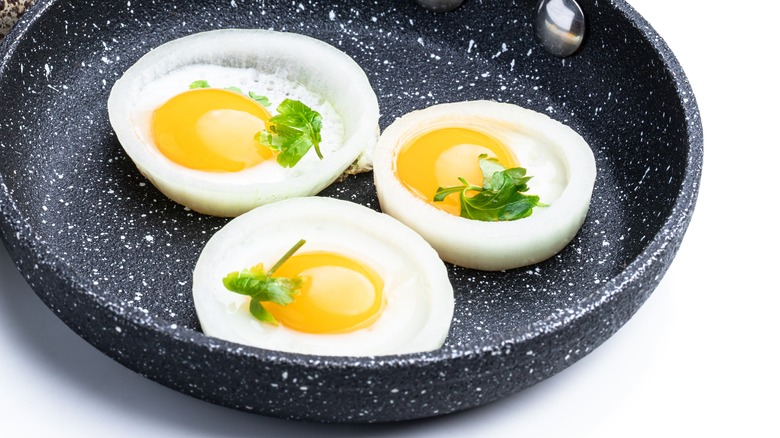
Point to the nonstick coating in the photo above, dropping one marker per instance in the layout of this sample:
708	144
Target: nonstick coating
112	257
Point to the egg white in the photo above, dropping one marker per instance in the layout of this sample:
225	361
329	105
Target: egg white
559	160
419	295
278	65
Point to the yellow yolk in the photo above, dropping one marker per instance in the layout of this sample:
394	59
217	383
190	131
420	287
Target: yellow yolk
211	129
438	158
339	294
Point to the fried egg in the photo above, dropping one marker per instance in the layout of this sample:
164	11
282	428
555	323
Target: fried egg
197	146
434	147
372	286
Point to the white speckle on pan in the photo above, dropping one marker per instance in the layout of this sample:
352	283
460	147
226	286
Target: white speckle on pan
471	45
149	238
504	49
332	15
643	178
421	42
118	329
47	70
233	3
284	375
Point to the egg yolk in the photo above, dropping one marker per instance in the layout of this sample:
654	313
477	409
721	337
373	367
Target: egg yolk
339	294
211	129
438	158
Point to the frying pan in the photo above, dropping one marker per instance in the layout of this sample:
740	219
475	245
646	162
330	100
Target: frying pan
113	258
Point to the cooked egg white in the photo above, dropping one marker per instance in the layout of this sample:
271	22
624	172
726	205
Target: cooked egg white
372	286
432	148
229	173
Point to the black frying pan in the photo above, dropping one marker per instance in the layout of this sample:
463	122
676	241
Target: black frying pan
113	257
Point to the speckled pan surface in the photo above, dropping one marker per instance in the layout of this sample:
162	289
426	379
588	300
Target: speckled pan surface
112	257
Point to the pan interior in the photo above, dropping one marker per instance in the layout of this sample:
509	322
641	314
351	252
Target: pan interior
88	206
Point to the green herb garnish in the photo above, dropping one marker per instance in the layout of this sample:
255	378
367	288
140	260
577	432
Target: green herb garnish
261	287
199	84
293	132
500	198
259	98
262	100
235	90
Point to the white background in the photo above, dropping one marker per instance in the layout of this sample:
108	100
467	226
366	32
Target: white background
698	359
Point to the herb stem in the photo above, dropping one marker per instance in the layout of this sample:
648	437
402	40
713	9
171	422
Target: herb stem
286	256
317	150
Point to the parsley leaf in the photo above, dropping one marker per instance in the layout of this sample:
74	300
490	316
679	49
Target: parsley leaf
292	132
258	284
200	84
500	198
259	98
